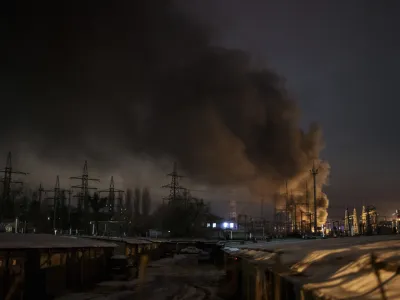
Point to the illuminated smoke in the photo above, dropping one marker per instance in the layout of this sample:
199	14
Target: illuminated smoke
130	78
301	188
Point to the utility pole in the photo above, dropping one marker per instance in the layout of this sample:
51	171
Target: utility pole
84	187
111	196
7	181
314	173
174	187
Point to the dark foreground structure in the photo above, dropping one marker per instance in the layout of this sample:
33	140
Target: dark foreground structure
40	266
342	268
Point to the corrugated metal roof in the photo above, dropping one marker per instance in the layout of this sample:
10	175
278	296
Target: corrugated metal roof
46	241
128	240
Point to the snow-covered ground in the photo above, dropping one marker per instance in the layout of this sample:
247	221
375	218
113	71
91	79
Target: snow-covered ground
342	268
177	278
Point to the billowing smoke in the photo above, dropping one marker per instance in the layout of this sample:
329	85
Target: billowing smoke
299	194
107	78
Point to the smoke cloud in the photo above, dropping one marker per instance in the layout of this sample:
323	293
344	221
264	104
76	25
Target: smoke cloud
129	78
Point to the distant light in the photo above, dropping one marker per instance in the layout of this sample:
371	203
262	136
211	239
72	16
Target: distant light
169	230
48	218
214	225
208	225
231	225
225	225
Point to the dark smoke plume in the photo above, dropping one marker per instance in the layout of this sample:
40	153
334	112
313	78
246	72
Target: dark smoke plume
96	77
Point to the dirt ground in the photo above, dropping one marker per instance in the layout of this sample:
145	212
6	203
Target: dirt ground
178	278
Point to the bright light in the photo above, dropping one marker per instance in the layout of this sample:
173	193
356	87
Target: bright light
231	225
208	225
169	230
48	218
214	225
225	224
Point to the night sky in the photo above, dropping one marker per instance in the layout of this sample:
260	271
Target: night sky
341	63
62	65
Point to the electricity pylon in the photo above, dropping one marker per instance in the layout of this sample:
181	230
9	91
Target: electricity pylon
111	197
174	187
7	182
84	187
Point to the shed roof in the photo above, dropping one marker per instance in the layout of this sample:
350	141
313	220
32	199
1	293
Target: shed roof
331	267
46	241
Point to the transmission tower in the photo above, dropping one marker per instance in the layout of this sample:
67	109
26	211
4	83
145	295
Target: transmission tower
57	197
84	187
174	187
232	211
314	173
7	181
111	196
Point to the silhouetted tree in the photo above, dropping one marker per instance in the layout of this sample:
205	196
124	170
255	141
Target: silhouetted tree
128	204
146	202
136	203
34	215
